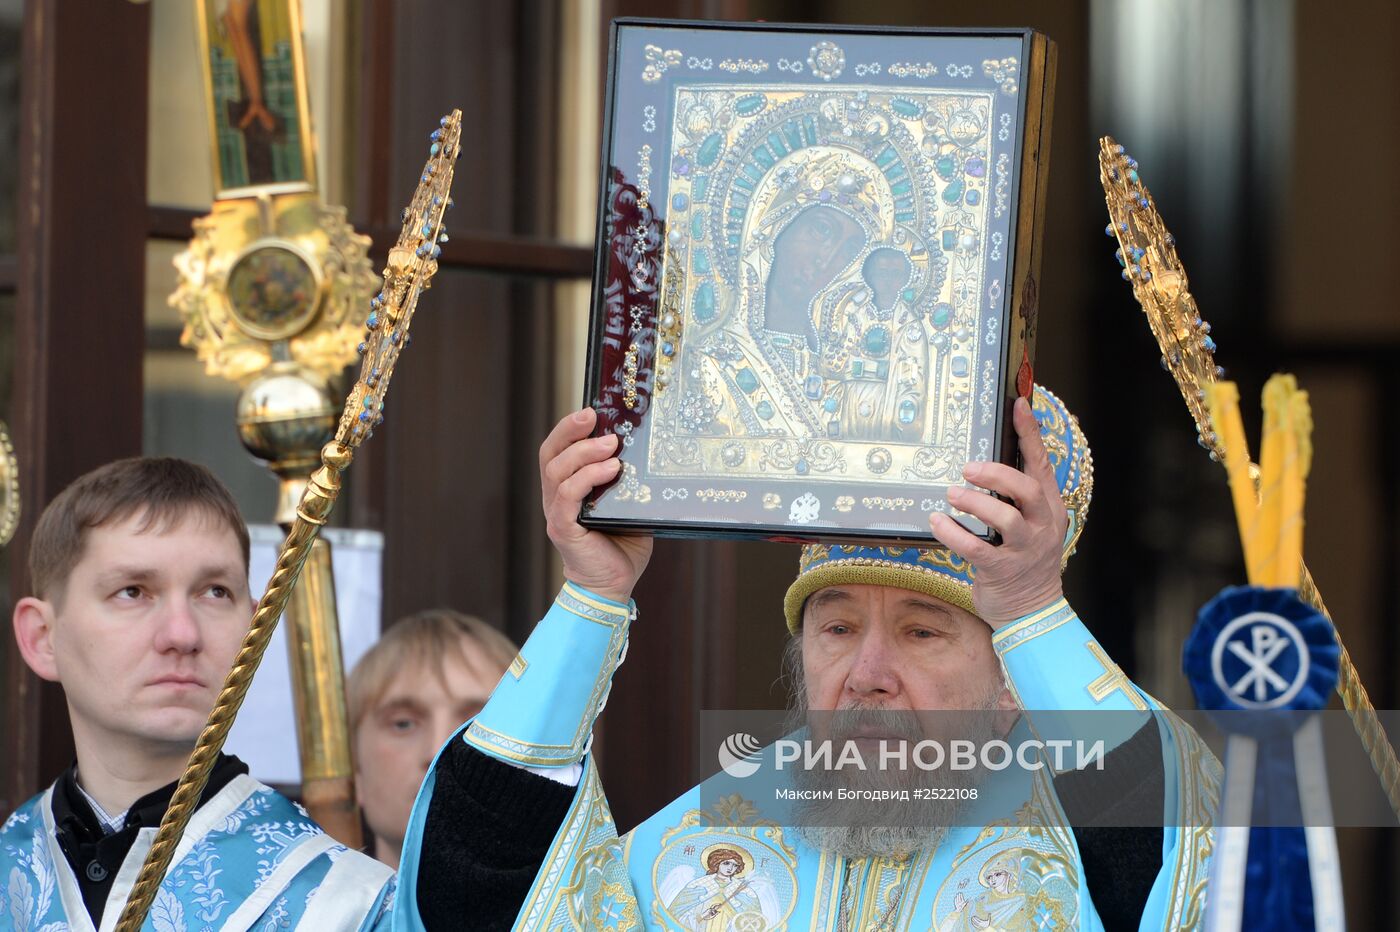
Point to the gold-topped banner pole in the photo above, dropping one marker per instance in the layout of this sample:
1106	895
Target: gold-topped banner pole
318	693
412	264
1147	252
1271	522
272	290
1223	399
285	416
1277	470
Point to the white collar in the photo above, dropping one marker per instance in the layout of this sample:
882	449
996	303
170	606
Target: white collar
110	823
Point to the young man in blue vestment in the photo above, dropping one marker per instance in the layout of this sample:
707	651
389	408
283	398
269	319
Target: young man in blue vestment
140	575
511	828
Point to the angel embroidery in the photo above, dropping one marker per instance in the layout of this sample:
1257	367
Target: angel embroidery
729	897
1002	906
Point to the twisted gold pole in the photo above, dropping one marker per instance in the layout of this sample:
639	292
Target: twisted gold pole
412	264
1147	252
1358	705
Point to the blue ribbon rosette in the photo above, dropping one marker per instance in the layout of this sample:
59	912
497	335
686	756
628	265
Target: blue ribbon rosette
1260	656
1273	629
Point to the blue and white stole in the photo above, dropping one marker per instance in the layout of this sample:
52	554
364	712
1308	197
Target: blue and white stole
249	859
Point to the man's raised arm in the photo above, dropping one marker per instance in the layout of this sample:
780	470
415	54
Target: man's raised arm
1061	678
489	813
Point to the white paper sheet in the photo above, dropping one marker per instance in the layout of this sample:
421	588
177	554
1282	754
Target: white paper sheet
264	734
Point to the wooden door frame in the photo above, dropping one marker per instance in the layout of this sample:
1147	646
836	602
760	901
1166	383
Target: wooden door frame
80	303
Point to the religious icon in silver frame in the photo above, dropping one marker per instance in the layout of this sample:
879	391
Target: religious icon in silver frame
815	291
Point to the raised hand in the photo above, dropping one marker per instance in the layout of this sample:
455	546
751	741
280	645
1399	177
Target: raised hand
1022	575
571	465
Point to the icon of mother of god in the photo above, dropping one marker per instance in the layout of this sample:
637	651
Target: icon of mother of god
813	346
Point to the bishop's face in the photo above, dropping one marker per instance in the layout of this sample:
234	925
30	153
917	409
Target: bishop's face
878	647
145	630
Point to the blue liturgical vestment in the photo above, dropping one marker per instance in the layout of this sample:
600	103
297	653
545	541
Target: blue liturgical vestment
1011	874
250	859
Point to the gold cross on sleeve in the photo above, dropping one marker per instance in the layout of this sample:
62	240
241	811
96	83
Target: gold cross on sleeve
1113	679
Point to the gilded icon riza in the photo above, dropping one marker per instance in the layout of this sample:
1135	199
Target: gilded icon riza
815	289
821	303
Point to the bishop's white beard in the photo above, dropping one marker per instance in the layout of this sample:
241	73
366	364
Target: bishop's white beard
864	828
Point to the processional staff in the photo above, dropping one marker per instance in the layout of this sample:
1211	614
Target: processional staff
1147	252
411	266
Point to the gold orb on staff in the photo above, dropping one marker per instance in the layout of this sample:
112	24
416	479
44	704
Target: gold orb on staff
411	266
270	290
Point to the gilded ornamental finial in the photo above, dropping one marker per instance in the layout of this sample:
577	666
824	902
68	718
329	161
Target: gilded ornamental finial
1147	253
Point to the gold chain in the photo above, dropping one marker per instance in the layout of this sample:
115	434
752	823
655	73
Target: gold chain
843	917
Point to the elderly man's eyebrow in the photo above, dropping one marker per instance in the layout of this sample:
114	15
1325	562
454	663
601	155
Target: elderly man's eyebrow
927	606
829	597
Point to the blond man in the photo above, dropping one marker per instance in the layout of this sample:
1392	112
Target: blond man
428	673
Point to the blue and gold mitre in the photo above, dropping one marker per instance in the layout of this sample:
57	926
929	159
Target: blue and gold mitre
937	571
